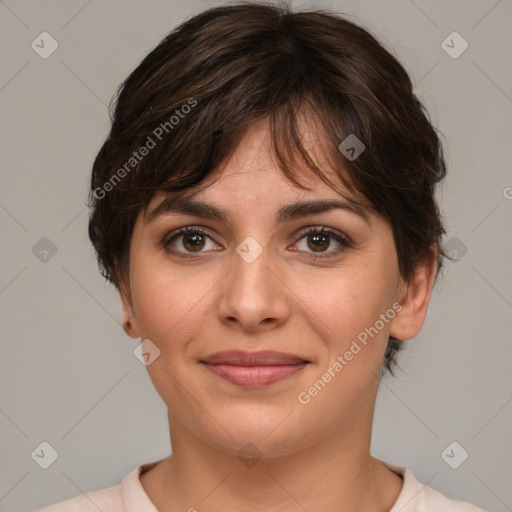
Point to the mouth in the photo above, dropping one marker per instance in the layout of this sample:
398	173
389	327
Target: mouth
253	369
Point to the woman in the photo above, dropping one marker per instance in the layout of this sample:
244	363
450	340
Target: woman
265	206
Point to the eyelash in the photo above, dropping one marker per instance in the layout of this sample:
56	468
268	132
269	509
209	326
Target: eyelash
345	241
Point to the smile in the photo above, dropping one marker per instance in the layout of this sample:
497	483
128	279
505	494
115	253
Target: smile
253	369
254	376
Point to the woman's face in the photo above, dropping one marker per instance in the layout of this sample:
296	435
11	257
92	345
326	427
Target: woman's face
256	281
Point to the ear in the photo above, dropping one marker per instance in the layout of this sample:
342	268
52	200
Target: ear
129	321
414	298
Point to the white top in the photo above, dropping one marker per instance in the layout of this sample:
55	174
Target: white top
129	496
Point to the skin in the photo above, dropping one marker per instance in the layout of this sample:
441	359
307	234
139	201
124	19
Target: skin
315	456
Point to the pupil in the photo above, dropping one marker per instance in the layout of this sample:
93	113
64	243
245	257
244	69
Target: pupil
318	241
193	241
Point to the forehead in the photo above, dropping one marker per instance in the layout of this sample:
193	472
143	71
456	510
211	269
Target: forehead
255	154
252	169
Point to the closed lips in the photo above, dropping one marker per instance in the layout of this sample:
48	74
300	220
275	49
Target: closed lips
262	358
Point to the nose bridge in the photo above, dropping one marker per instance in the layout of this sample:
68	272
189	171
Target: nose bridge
251	294
250	280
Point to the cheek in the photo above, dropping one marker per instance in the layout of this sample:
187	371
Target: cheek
343	304
172	304
346	314
164	303
171	309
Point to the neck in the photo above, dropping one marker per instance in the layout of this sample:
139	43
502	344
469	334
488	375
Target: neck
336	473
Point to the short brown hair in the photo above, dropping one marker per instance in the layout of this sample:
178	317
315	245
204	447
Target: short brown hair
229	66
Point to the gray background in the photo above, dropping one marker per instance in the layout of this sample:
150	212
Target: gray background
68	373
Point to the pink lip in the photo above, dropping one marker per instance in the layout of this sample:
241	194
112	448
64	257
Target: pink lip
253	369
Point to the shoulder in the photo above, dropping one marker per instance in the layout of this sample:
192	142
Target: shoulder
434	500
418	497
127	495
107	500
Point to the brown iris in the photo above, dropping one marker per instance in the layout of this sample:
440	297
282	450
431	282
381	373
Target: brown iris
193	242
318	241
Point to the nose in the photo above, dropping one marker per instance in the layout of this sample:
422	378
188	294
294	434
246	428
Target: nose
253	296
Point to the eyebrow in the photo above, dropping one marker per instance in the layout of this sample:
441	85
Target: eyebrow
285	213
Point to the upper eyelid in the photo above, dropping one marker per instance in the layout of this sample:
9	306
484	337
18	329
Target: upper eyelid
297	236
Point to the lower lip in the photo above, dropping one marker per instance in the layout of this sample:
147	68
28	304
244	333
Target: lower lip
254	376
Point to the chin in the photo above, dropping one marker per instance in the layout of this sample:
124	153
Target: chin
264	434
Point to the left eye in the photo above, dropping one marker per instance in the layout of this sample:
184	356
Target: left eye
191	240
318	240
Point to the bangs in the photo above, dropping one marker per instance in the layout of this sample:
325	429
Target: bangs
303	140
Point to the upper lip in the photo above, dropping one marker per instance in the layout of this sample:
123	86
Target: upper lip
262	358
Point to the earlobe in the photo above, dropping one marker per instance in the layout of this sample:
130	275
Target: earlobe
129	319
415	300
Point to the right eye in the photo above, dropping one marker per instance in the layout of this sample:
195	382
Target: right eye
186	241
